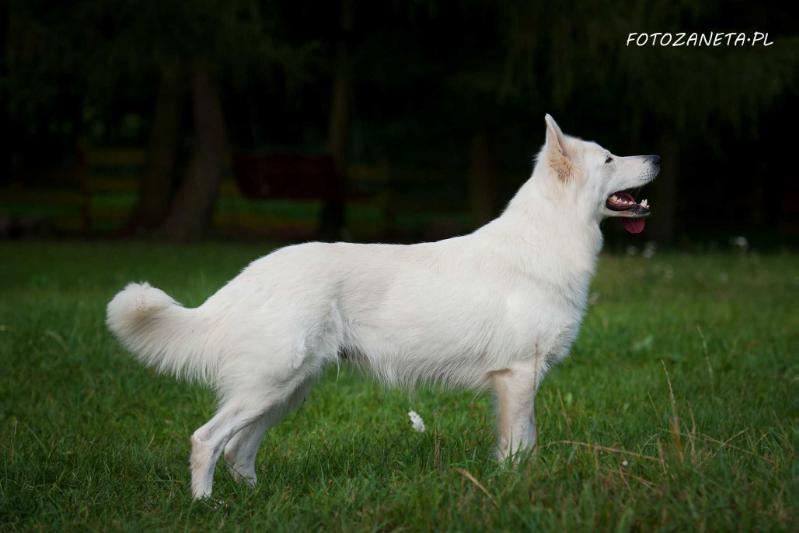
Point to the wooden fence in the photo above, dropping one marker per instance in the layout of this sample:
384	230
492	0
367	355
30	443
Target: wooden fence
99	198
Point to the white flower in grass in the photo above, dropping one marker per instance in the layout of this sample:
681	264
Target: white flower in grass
416	421
741	242
644	344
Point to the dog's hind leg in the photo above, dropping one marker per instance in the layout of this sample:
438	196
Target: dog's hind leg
209	440
515	389
242	449
299	366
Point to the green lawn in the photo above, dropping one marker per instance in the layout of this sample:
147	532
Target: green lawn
676	411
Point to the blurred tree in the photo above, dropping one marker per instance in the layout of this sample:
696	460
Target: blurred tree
193	207
212	36
445	84
5	121
157	184
114	51
576	57
482	176
41	96
490	66
427	81
339	124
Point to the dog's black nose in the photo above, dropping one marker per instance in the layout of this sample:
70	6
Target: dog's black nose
654	159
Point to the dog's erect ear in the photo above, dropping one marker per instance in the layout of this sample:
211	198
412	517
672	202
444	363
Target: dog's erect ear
556	149
555	137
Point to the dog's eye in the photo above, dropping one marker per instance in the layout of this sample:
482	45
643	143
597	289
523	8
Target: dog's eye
608	160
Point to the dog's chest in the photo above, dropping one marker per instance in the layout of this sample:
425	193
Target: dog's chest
546	317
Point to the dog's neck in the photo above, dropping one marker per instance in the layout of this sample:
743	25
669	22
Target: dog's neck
552	232
544	203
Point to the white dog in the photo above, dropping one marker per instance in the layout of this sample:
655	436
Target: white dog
494	308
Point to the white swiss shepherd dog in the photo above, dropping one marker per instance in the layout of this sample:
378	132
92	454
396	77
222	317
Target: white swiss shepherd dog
492	309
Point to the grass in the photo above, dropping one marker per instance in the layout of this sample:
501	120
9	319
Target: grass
676	411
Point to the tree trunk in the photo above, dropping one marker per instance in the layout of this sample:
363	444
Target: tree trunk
332	217
157	184
481	179
193	208
5	118
663	192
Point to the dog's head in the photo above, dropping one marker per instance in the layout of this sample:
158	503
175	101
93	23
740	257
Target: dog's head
595	179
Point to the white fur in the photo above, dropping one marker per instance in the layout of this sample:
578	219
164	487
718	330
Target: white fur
494	308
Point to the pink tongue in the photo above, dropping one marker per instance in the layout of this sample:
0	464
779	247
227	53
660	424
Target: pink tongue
633	225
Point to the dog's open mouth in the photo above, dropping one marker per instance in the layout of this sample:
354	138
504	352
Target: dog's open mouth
633	213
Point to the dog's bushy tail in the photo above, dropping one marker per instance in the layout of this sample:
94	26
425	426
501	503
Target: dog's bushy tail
161	333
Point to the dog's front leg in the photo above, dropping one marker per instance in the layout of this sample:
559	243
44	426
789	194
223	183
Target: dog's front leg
515	389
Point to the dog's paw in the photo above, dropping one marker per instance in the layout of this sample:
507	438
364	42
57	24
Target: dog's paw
242	477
